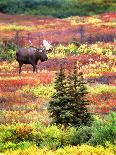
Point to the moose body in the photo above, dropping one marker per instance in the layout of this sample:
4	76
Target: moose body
31	56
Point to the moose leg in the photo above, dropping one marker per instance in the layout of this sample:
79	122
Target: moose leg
33	69
20	65
33	63
34	66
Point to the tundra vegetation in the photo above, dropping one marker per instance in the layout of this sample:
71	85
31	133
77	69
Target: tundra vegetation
35	113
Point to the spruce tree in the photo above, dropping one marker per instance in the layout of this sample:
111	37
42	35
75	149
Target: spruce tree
78	106
68	105
58	102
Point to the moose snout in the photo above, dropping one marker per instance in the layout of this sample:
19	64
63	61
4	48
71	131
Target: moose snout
46	59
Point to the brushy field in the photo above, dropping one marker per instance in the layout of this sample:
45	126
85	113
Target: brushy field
95	28
24	98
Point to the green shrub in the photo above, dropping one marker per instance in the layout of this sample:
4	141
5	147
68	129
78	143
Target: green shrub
17	134
9	55
14	146
81	135
7	133
8	52
104	131
52	138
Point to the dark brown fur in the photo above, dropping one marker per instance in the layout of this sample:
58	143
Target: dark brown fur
31	56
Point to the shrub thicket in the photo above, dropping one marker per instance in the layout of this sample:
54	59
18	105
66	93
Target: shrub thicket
102	132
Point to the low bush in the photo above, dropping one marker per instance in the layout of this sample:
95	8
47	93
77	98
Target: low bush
60	51
8	52
20	136
13	146
39	90
104	132
52	138
9	55
81	135
101	88
13	27
72	150
100	133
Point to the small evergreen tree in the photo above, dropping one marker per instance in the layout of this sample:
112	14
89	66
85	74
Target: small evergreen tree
68	105
78	105
58	102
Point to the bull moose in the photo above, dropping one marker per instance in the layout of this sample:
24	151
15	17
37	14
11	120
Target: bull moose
30	55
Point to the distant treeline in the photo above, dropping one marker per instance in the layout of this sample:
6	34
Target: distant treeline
57	8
